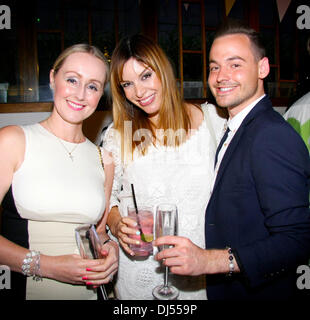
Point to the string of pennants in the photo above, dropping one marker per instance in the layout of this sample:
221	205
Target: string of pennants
282	6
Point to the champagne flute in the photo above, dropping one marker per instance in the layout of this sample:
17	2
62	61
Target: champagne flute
166	225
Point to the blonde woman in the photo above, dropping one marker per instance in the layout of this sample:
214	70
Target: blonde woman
165	147
52	181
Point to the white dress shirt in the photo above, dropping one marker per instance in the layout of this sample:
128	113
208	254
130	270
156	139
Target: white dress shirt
233	124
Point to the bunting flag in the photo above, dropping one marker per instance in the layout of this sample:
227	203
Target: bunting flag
228	5
282	7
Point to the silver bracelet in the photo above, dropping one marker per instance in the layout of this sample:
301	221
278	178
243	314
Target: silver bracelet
37	276
26	266
32	261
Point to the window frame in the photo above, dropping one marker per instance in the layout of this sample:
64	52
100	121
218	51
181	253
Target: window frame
28	63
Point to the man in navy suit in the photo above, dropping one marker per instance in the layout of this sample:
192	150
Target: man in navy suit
257	223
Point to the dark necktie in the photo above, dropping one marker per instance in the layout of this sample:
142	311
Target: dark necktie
220	145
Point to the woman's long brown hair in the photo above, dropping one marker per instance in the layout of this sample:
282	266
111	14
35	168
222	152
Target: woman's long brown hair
172	115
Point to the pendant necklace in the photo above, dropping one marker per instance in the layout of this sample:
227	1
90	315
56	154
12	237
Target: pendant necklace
66	149
69	152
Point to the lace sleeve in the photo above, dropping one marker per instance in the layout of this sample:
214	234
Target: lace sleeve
110	140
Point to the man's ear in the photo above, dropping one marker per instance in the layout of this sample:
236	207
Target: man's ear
52	79
263	68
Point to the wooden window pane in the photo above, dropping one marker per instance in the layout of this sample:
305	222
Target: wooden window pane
303	67
75	23
193	83
269	37
103	26
267	12
270	83
129	17
214	10
191	18
238	11
209	40
9	74
49	47
48	15
168	36
287	45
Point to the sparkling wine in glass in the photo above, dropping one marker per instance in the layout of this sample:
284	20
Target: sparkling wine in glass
166	224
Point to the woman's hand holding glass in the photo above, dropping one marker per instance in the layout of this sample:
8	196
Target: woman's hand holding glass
122	229
135	232
98	246
107	267
76	270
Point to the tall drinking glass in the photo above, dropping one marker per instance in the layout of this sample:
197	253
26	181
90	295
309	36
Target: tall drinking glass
89	245
146	221
166	224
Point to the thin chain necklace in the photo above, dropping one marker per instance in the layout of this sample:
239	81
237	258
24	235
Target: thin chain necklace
69	152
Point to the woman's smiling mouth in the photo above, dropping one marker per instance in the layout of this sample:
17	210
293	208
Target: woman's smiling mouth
75	106
146	101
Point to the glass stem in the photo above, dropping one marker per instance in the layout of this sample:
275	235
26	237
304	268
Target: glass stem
166	276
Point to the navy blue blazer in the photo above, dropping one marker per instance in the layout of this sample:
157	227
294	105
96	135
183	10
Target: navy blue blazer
260	208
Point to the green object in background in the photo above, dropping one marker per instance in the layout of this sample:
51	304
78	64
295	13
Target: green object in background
302	129
298	116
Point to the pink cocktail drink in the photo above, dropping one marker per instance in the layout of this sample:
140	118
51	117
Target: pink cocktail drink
146	219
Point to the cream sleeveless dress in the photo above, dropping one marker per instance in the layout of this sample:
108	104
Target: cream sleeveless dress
56	195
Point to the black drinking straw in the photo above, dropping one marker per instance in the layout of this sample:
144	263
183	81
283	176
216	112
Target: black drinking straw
134	198
136	207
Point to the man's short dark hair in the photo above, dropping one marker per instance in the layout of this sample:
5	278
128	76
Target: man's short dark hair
231	27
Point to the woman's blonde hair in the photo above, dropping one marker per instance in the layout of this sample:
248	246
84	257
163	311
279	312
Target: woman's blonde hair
86	48
172	113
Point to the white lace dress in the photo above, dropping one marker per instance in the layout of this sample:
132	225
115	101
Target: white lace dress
180	175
